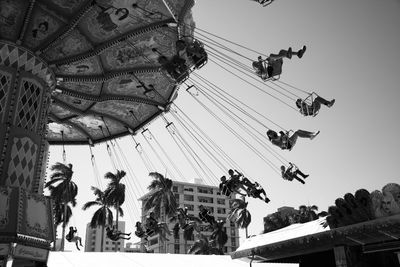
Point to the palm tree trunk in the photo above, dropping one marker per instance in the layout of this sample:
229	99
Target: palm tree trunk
185	245
247	232
102	238
63	227
116	220
162	242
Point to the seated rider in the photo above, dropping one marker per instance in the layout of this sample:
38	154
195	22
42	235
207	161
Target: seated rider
140	232
256	190
151	224
72	238
274	63
115	235
290	174
235	182
205	215
284	141
313	108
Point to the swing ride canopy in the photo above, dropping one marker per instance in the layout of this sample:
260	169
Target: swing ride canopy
104	58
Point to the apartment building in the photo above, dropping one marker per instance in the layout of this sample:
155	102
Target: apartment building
192	195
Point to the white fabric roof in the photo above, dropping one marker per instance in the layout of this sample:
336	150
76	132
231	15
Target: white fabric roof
289	232
113	259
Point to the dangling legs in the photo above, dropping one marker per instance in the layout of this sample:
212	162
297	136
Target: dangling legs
323	101
301	173
300	180
283	53
304	134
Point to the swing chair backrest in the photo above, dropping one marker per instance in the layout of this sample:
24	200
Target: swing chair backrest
274	70
308	104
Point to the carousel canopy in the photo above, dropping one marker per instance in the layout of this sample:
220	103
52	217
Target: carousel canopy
105	56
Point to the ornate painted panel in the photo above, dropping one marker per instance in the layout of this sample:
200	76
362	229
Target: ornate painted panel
28	108
11	18
137	51
69	132
43	24
75	43
91	66
36	218
21	168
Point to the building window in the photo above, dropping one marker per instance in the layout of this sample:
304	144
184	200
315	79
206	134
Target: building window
175	189
232	224
205	190
233	231
225	249
177	240
221	201
233	241
176	197
119	243
106	242
205	199
94	231
106	248
221	210
189	207
188	197
188	189
176	248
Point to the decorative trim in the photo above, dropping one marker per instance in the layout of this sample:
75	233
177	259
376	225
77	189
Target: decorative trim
113	42
27	20
19	57
74	125
108	76
8	121
66	29
107	97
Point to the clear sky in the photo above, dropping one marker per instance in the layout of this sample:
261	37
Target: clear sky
352	56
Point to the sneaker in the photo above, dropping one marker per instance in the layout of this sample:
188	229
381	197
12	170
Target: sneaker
301	52
305	176
267	200
289	53
331	103
314	135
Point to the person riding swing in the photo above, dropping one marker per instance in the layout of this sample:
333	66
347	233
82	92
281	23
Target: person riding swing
271	67
115	235
284	141
71	237
290	174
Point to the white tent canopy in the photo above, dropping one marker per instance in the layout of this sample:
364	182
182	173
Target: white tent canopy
290	232
113	259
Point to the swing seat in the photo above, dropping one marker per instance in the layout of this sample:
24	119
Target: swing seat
225	190
308	102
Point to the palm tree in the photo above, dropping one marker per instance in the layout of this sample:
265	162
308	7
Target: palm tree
103	216
307	213
240	214
161	198
203	246
219	235
115	193
62	190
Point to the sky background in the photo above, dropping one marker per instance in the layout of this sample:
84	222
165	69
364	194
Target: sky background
352	56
